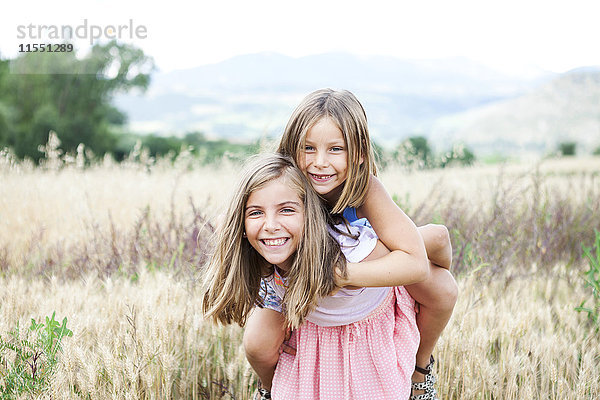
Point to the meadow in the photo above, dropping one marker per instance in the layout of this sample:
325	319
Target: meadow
118	250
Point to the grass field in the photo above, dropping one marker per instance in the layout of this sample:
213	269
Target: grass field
118	250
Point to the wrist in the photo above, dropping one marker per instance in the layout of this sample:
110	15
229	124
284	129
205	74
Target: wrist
350	274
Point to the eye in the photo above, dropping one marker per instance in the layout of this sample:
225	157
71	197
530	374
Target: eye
288	210
308	148
254	213
337	148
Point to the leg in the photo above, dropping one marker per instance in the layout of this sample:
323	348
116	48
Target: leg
263	336
436	297
437	244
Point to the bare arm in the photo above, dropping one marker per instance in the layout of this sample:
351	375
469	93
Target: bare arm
379	251
437	245
407	261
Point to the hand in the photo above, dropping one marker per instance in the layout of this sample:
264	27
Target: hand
340	281
284	348
346	282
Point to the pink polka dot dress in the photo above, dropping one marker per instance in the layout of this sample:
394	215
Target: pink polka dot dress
372	358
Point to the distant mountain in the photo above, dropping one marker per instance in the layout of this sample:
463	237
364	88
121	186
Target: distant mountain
252	95
271	71
565	109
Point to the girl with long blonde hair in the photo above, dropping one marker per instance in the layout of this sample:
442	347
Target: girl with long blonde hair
233	276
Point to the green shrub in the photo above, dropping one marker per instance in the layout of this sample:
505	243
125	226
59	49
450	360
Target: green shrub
27	365
414	152
592	280
459	154
567	148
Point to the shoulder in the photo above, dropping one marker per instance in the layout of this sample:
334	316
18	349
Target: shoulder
377	196
376	188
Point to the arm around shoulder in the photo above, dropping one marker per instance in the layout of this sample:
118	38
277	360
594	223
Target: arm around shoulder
407	261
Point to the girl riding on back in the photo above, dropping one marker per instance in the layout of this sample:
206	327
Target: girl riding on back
327	136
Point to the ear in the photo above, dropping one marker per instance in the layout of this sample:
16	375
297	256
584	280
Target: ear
361	160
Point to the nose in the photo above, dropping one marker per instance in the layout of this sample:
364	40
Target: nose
271	223
320	159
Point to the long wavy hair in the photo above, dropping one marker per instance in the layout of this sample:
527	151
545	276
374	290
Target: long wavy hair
232	278
344	109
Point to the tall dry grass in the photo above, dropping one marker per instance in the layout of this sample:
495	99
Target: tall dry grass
142	339
147	340
511	215
118	249
110	217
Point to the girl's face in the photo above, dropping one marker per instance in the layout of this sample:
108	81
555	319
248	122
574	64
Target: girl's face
274	221
325	159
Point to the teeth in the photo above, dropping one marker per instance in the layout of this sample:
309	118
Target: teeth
321	176
274	242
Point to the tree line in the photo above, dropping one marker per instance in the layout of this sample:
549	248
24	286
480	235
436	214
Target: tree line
43	92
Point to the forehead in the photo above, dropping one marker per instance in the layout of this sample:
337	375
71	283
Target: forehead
274	192
325	130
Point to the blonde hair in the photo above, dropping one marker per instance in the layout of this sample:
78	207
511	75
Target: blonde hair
344	109
232	278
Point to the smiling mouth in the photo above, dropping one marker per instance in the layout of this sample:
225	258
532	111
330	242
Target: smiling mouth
321	178
274	242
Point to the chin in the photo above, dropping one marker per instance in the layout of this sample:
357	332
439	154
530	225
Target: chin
323	191
274	260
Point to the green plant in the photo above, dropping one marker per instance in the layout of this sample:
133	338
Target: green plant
592	279
26	366
459	154
466	257
415	152
567	148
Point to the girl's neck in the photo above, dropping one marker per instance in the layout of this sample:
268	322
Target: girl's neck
282	272
332	197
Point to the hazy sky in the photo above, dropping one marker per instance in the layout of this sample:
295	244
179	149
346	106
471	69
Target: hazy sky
509	35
